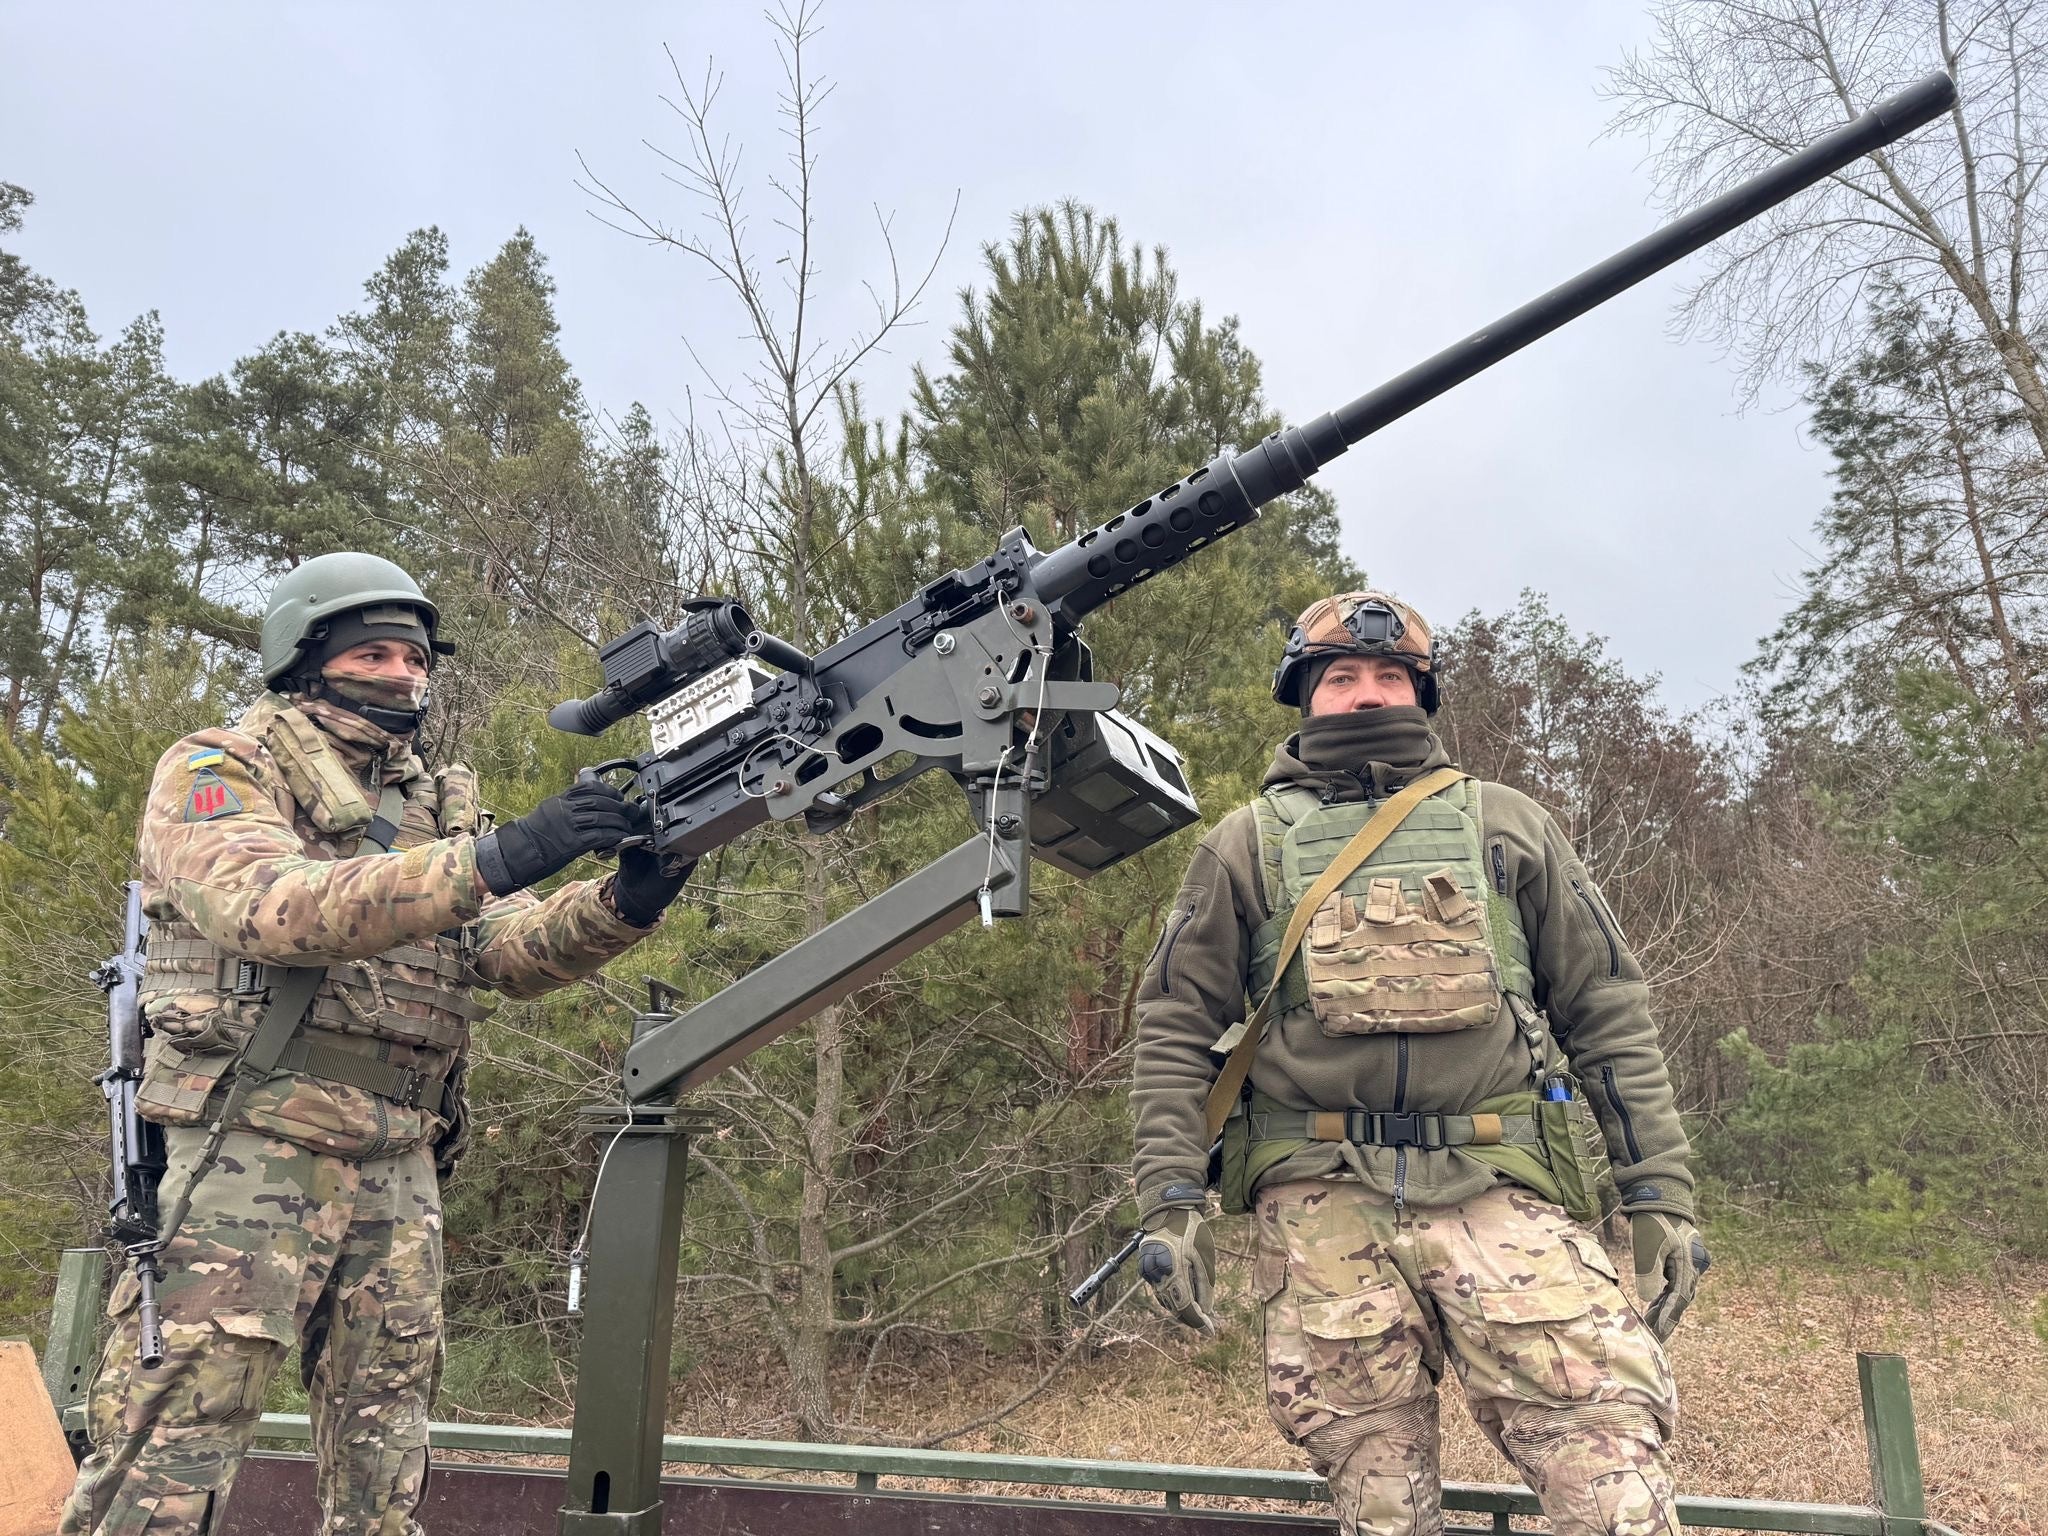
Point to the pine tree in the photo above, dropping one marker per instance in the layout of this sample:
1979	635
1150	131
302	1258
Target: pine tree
1933	548
74	417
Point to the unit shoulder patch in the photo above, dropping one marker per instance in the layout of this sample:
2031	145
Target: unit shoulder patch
210	797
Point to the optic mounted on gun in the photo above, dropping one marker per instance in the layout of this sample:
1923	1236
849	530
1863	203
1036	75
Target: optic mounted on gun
646	665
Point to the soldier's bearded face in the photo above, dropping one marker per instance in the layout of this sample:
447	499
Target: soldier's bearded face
1361	682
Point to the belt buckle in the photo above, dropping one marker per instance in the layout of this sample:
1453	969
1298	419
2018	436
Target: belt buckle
413	1085
1404	1129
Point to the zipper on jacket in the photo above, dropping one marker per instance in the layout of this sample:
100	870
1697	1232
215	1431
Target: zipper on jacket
1180	921
1613	949
1497	853
1400	1103
1628	1126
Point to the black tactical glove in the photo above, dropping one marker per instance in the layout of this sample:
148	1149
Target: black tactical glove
640	891
587	817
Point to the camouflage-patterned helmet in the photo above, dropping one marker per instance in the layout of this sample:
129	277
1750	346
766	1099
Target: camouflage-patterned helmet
1357	624
306	602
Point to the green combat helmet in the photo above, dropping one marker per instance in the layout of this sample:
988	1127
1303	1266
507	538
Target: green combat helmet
1356	624
336	601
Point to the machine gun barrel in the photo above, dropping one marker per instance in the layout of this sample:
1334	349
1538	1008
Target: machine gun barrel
1227	493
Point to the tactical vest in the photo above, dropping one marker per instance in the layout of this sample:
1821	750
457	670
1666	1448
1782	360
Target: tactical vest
1415	941
408	1008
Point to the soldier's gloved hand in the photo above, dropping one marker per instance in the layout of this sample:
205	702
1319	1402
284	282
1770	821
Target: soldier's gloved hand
1670	1258
640	891
1178	1257
587	817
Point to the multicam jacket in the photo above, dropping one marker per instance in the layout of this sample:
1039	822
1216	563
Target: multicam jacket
245	852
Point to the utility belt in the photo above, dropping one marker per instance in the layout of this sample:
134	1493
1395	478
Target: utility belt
1549	1145
353	1060
1385	1128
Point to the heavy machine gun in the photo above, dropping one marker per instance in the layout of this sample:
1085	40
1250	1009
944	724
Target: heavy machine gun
982	675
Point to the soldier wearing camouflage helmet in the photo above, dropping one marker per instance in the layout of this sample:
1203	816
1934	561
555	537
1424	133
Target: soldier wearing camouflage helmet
323	907
1456	1059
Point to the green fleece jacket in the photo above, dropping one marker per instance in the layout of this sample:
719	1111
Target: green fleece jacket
1587	982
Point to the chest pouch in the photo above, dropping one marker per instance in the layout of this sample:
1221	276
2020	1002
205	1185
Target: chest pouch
330	796
1398	959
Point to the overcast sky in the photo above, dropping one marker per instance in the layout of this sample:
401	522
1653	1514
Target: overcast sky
1359	184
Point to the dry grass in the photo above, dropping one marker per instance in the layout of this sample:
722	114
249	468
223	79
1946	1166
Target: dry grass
1765	1360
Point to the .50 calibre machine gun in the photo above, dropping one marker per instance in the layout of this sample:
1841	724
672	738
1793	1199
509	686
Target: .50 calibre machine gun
981	675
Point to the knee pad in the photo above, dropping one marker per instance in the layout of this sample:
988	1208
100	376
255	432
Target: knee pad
1535	1432
1410	1425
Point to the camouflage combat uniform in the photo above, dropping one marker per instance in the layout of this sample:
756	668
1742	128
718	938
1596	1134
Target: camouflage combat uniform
320	1223
1377	1262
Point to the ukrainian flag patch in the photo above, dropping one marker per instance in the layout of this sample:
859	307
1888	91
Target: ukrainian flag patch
206	759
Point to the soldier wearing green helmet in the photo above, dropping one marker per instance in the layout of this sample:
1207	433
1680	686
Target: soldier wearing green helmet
323	907
1396	998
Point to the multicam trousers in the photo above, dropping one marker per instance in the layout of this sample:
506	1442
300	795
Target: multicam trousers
1362	1303
281	1245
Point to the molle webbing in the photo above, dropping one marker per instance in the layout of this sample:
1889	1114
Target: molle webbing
1299	838
428	1007
325	788
1241	1042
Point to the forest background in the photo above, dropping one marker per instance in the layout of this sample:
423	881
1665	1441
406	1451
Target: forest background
1836	879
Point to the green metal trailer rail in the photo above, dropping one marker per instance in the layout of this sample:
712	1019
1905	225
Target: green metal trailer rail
274	1493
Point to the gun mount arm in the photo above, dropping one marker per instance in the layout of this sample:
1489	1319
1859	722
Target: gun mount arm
846	954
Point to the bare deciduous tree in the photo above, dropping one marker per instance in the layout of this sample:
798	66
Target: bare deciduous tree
1731	85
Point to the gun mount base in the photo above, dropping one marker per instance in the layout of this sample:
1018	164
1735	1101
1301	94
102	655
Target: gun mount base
623	1374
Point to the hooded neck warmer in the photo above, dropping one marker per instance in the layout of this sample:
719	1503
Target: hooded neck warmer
393	704
1397	736
359	743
